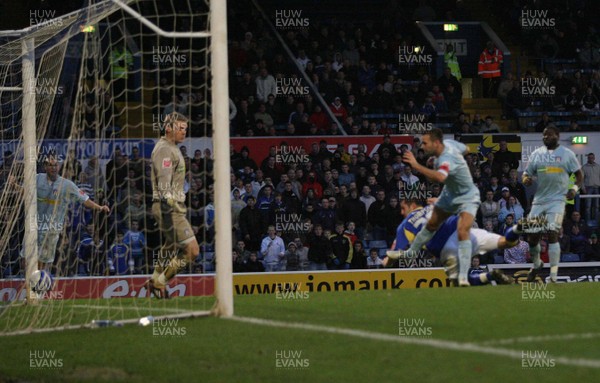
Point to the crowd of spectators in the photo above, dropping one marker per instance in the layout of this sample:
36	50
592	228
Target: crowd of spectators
566	58
336	210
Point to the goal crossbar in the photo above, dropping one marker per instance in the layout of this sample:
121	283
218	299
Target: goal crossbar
156	28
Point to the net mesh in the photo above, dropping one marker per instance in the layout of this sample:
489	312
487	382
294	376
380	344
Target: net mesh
104	83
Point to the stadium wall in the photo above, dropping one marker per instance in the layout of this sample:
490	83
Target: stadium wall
286	285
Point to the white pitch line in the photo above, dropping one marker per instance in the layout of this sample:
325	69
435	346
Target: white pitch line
435	343
130	308
541	338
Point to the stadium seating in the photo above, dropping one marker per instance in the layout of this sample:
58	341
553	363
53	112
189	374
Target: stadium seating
375	244
569	257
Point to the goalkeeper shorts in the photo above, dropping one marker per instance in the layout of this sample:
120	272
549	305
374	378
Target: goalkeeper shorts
174	225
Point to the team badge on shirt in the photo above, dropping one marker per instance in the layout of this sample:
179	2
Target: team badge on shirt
167	163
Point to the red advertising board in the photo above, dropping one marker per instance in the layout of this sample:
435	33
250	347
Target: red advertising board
259	146
110	287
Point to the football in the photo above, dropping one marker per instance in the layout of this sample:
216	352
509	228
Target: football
41	281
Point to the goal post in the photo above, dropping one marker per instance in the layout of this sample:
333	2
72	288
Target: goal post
29	152
220	92
220	111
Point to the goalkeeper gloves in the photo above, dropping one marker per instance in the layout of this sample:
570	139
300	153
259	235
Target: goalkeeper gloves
175	205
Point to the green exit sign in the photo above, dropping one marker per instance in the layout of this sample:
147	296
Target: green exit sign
450	27
579	140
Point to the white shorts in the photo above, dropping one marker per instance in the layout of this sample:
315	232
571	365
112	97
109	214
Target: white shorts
469	203
554	213
46	246
482	241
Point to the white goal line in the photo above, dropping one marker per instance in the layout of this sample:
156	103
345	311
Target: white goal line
435	343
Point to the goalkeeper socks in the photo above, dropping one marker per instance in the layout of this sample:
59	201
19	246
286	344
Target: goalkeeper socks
534	251
421	239
464	258
162	259
554	255
175	264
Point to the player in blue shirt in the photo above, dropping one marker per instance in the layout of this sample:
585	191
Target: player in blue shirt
445	244
90	253
119	257
460	196
552	164
136	241
54	195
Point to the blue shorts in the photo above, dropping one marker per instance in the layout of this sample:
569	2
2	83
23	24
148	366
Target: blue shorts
554	213
469	202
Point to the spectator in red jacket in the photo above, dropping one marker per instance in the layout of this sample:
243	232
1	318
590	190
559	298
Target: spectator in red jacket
312	183
338	109
319	118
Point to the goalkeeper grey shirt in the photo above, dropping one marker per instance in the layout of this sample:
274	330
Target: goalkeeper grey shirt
168	172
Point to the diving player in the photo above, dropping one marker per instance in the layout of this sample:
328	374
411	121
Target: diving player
445	242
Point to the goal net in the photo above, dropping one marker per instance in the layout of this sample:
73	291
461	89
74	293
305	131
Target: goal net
84	96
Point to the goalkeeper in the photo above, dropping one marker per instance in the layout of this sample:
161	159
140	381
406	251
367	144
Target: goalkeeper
168	175
54	194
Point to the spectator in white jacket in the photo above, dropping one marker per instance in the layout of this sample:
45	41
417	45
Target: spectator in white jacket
265	85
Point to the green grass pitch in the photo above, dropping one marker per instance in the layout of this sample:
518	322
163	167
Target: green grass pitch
459	335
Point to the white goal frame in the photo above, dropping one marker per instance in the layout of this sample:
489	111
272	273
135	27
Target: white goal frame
220	122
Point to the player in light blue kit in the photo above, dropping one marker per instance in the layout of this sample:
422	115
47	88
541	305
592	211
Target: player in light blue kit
552	164
444	244
460	196
54	194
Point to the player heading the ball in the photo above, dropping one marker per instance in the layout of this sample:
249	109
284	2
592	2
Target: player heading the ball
460	195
